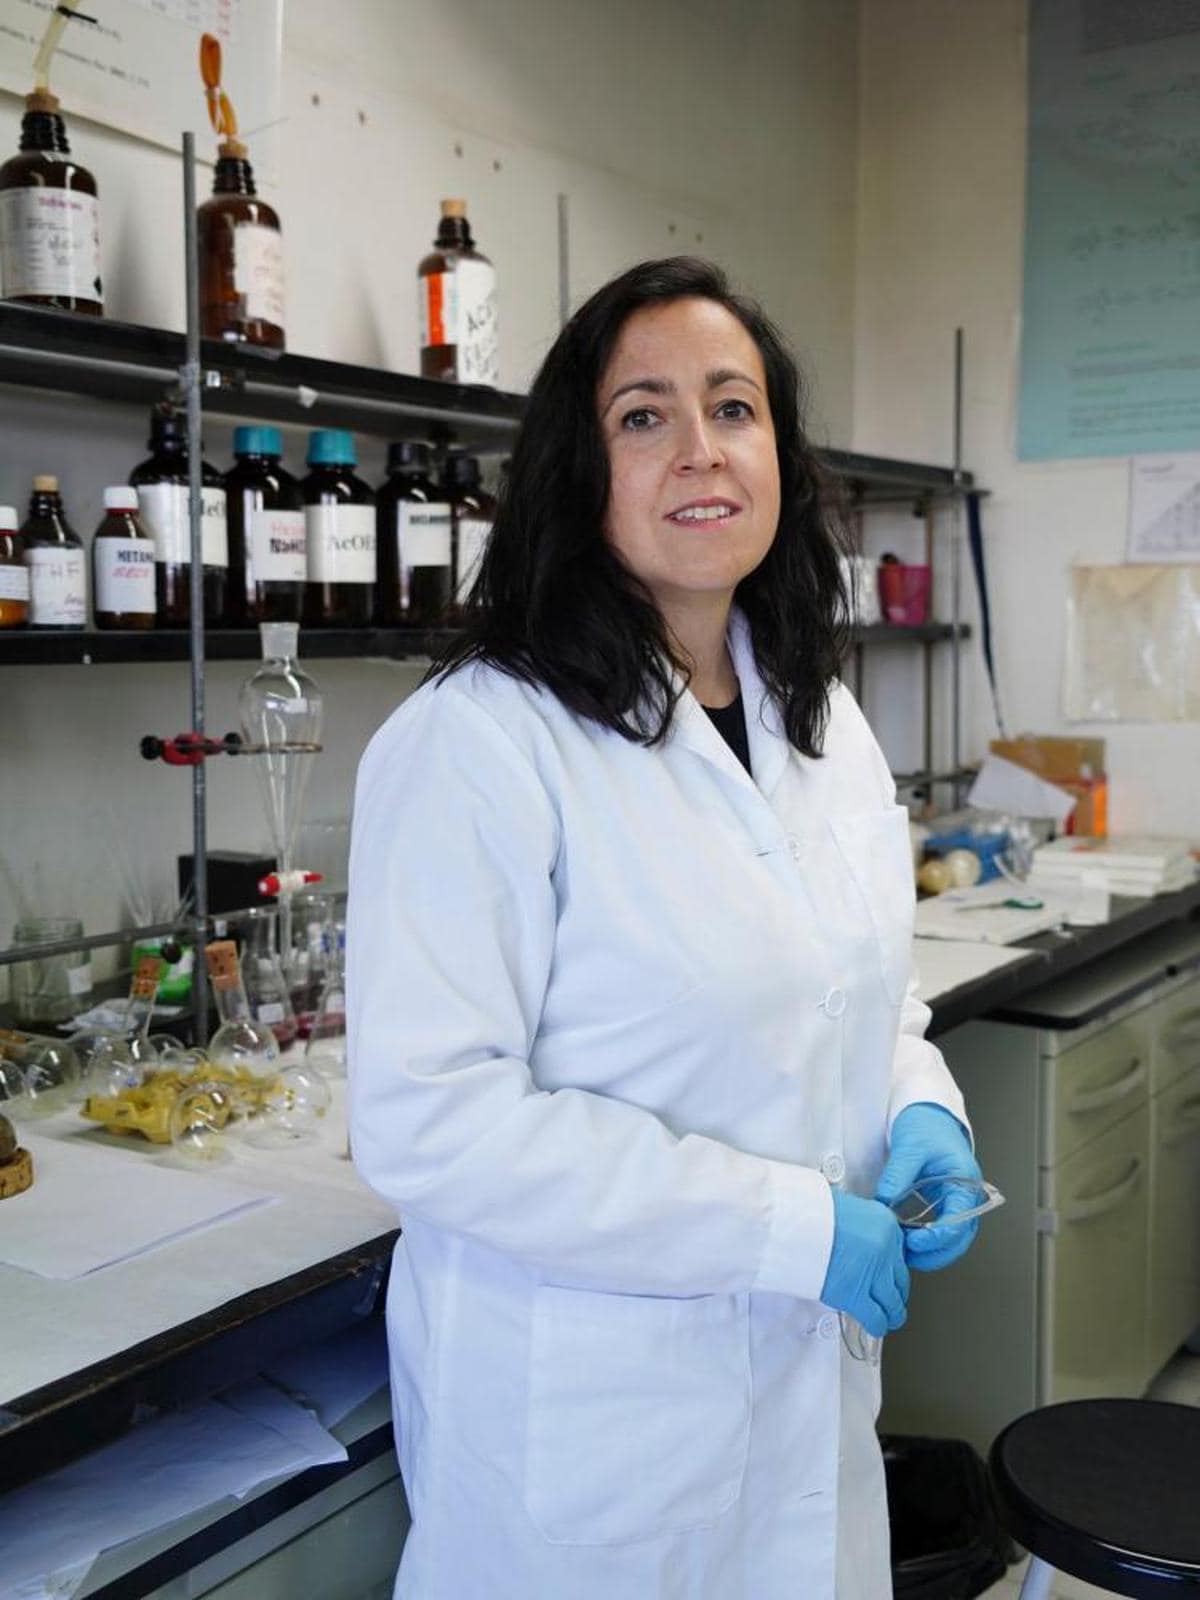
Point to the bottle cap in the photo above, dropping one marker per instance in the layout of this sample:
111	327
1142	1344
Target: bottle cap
280	640
167	427
8	519
257	442
232	150
331	447
454	208
462	471
45	483
409	455
121	497
41	100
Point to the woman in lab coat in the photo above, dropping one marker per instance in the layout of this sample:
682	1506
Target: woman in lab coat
633	1036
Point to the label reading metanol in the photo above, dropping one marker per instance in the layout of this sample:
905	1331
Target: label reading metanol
341	543
125	576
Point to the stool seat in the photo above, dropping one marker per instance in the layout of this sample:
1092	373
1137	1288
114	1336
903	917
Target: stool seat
1108	1491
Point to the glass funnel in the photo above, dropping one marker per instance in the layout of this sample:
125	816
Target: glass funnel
281	713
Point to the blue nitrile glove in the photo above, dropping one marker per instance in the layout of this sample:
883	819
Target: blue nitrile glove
930	1142
866	1276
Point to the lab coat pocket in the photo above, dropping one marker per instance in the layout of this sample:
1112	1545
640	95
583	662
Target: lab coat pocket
875	847
638	1416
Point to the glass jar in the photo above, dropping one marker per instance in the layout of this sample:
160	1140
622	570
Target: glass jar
50	988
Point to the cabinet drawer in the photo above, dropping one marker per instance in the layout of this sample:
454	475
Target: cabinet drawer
1175	1035
1096	1085
1174	1309
1097	1259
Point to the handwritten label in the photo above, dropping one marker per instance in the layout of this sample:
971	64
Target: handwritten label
124	576
258	272
57	587
50	243
277	547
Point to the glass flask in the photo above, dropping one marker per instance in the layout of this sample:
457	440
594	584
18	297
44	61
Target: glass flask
326	1049
12	1086
52	1079
292	1110
199	1117
262	974
240	1044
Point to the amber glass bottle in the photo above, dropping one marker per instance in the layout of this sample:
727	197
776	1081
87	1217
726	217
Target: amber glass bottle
241	257
14	575
54	557
457	305
474	511
413	540
340	535
123	564
265	506
162	488
49	218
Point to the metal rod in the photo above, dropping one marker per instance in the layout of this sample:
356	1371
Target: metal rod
564	260
956	532
190	379
91	941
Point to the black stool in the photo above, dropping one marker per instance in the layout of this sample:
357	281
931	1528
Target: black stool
1106	1490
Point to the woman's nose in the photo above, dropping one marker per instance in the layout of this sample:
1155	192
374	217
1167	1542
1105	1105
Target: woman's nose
699	447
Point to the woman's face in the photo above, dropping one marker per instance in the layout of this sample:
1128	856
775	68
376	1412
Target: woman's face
694	498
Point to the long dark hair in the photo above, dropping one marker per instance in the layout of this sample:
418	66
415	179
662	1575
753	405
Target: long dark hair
553	604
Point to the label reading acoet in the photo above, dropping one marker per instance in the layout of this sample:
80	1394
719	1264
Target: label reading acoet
14	582
164	511
277	546
125	576
57	587
50	243
423	534
478	332
258	272
473	535
341	543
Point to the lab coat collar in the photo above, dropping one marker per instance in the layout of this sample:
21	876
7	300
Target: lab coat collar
769	749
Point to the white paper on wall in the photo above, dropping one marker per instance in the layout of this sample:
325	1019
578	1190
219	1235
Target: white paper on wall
1164	509
1133	644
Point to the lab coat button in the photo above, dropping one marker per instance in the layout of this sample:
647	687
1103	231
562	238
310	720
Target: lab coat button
827	1327
833	1168
834	1003
793	845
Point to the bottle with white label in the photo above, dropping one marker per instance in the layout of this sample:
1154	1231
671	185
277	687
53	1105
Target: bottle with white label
162	489
123	564
49	218
265	507
14	574
340	528
241	257
457	305
54	557
474	511
413	528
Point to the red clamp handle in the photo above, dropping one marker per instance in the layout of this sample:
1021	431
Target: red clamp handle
188	749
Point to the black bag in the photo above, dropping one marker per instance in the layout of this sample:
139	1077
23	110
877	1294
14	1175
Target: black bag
947	1541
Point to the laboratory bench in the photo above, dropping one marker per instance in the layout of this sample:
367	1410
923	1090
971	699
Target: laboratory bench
86	1359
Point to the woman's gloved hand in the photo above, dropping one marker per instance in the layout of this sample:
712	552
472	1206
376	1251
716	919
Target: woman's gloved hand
866	1277
929	1142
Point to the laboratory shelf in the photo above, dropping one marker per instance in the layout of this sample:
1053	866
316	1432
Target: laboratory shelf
49	647
97	358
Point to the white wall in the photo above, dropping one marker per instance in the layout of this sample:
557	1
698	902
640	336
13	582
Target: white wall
681	126
940	223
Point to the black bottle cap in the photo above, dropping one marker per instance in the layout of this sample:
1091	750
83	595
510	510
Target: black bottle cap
461	471
409	455
168	429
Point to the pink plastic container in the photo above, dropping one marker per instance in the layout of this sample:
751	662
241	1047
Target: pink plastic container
904	592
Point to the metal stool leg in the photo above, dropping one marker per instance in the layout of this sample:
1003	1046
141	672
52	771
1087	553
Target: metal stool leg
1039	1581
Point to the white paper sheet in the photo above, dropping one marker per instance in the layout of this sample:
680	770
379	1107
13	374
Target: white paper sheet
52	1530
1164	508
980	916
90	1207
1004	786
943	965
336	1374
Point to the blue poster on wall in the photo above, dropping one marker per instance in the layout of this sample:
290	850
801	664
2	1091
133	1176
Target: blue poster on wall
1110	350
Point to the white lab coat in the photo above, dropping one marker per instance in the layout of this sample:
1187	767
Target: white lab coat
618	1018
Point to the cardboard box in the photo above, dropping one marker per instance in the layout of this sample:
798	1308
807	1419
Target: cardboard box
1076	765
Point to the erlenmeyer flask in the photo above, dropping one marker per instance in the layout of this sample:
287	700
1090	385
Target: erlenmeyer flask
281	713
326	1049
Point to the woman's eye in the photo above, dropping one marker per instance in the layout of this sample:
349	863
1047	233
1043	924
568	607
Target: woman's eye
735	411
638	420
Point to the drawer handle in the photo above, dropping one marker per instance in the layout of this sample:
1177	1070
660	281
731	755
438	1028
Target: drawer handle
1188	1124
1184	1028
1099	1205
1097	1099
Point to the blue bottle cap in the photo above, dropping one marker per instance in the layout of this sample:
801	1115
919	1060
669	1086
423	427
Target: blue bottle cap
257	441
332	447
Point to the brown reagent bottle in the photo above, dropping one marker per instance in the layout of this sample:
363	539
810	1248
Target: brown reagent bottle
340	534
123	565
241	257
54	557
457	305
474	511
162	485
413	541
265	507
49	218
14	575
